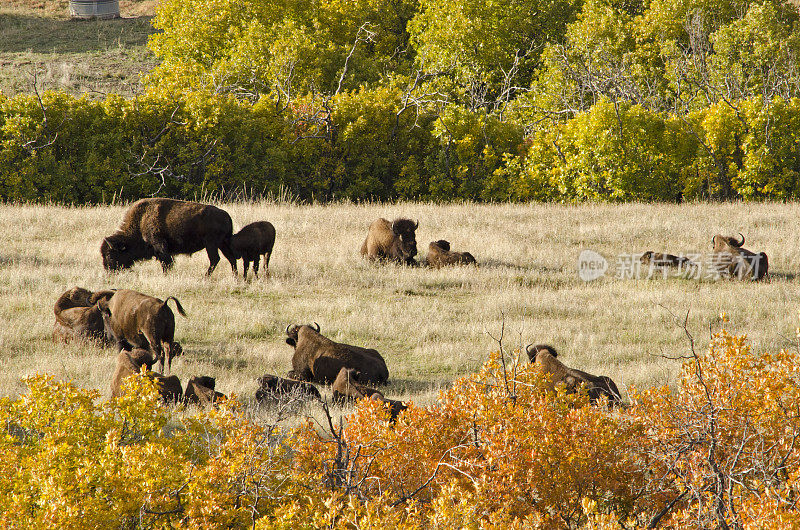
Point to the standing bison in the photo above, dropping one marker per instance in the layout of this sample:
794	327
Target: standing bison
137	320
597	386
395	241
162	228
78	316
440	255
317	358
251	242
730	260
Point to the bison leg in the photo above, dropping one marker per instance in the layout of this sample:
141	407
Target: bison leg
213	259
245	266
256	262
227	251
267	255
161	252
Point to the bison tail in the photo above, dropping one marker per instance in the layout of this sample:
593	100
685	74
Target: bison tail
177	305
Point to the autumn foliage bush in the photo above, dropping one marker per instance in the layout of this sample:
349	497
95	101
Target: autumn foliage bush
719	449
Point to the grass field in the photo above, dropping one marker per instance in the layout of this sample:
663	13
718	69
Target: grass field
430	325
40	44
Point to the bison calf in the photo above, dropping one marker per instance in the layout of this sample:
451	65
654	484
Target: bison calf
78	317
395	241
201	391
251	242
128	364
347	387
272	386
317	358
137	320
161	228
440	255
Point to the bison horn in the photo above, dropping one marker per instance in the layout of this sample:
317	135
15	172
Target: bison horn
315	324
742	242
416	225
528	348
287	328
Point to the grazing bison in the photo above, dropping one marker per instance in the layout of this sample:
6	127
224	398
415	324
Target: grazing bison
346	387
251	242
78	316
137	320
128	364
596	386
162	228
201	391
730	260
440	255
395	241
317	358
272	386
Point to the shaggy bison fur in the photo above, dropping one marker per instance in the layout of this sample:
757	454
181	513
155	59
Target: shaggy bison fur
596	386
162	228
272	386
78	317
440	255
730	260
137	320
395	241
317	358
251	242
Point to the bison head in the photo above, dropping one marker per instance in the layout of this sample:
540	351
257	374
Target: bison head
405	229
120	252
293	331
534	349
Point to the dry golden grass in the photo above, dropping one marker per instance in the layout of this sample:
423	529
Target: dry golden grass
430	325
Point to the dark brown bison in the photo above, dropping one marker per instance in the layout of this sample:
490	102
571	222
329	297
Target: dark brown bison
78	316
162	228
272	386
317	358
440	255
730	260
251	242
346	387
137	320
128	364
201	391
596	386
395	241
658	259
169	386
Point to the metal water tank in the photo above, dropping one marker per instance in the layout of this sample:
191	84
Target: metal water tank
100	9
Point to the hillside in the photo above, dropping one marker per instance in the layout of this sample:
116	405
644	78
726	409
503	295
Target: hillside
39	42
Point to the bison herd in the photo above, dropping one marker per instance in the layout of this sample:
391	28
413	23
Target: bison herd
142	327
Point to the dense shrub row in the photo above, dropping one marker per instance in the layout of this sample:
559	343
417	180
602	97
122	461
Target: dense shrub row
496	451
363	145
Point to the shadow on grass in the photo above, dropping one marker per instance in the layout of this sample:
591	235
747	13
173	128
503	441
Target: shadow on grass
22	34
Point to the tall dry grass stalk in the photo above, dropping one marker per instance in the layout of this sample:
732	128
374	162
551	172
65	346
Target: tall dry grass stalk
430	325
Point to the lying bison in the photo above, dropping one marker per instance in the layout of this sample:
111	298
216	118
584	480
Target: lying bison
137	320
201	391
346	387
658	259
730	260
251	242
128	364
317	358
162	228
78	317
395	241
440	255
272	386
597	386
